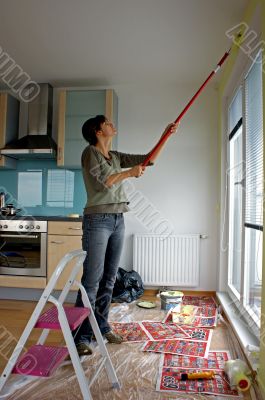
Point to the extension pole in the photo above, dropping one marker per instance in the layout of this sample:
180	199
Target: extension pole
183	112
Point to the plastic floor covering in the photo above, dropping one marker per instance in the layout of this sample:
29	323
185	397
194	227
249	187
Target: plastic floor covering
137	371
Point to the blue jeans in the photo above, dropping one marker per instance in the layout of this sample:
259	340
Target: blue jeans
103	236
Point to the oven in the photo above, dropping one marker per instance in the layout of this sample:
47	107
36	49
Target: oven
23	246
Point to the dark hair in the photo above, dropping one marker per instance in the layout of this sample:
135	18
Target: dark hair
91	127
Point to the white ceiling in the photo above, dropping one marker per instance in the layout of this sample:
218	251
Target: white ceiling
107	42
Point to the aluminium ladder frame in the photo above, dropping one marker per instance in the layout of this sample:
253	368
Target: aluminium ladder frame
69	340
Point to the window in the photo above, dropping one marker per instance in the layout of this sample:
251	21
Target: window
235	192
245	125
254	189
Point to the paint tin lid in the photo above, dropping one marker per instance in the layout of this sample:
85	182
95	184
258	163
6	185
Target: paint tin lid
172	294
146	304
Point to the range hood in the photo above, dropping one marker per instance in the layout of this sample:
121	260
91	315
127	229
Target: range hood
38	143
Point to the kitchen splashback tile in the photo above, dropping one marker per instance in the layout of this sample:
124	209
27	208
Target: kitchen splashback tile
39	187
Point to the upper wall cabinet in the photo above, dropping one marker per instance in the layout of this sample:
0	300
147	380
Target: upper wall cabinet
9	119
74	108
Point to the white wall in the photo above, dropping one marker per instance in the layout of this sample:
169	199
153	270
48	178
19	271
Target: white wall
183	185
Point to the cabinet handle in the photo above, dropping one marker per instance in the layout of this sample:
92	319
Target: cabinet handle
74	228
57	241
59	153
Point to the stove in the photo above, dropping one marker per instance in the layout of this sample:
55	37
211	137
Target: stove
23	245
23	225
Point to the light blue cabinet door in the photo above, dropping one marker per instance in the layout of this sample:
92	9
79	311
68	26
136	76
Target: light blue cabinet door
80	106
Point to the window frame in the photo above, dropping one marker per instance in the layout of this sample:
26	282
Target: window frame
252	320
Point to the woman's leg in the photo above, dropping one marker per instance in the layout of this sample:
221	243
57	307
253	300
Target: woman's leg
112	258
95	239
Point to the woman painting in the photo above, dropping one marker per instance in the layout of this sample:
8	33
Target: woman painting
103	222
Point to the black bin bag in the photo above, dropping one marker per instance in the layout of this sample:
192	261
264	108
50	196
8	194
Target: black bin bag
128	286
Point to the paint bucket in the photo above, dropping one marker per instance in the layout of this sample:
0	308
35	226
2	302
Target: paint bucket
171	299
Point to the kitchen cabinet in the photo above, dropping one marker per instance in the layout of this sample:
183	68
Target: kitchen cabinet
74	108
30	282
63	236
9	119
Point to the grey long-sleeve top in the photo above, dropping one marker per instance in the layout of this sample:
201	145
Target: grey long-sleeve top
96	169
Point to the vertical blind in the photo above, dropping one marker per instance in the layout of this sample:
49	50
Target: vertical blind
254	146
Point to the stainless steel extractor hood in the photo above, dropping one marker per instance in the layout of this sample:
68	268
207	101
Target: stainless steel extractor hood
38	143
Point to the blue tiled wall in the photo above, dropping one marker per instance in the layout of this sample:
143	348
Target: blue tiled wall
39	187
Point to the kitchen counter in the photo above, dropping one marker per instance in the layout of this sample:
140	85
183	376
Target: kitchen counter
41	218
61	218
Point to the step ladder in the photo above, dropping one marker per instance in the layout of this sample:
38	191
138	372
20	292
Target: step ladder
42	360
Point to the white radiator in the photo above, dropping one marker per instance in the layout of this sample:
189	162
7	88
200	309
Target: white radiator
167	260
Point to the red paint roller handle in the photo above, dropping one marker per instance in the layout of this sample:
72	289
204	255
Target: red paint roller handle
183	112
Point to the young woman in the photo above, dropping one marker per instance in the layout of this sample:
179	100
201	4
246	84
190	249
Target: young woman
103	224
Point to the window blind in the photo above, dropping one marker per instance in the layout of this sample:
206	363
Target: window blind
60	188
254	146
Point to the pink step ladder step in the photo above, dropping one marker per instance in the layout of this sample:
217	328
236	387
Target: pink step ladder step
74	315
40	360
